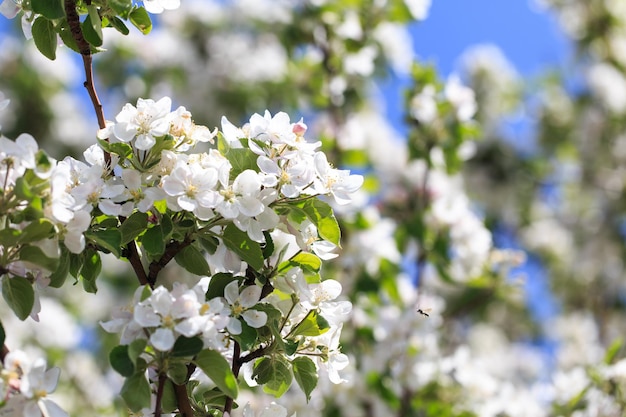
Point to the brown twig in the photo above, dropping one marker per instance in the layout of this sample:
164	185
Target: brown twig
135	262
182	398
159	394
228	404
84	48
171	250
3	353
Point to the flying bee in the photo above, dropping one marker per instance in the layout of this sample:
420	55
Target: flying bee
424	312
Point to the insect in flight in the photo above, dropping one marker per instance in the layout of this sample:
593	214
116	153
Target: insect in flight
424	312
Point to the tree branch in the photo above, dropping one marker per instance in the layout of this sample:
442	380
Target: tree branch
159	394
228	404
3	353
182	398
171	250
84	48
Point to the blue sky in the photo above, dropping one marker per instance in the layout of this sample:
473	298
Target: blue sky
529	38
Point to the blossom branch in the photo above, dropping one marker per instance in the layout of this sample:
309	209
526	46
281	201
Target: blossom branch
182	398
84	48
171	250
135	262
159	394
228	404
4	352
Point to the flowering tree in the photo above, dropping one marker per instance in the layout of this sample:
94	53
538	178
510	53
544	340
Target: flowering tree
209	258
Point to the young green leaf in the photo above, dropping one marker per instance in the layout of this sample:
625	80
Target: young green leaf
240	160
305	373
274	374
19	295
192	260
37	230
92	265
177	372
140	18
322	216
92	27
153	241
35	255
109	239
217	284
307	261
186	346
58	276
136	392
240	243
135	349
133	226
51	9
121	7
2	334
120	361
45	37
218	369
311	325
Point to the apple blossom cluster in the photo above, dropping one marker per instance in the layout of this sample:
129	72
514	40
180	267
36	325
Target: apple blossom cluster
275	164
25	385
164	315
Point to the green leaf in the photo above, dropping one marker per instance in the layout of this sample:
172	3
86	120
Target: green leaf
37	230
214	397
311	325
19	295
209	243
35	255
45	37
306	261
109	239
322	216
186	346
140	18
248	336
9	237
133	226
120	361
66	36
241	159
51	9
124	150
192	260
136	392
613	350
92	27
92	265
58	276
217	284
136	348
268	247
2	334
121	7
240	243
167	226
218	369
274	374
169	402
153	241
305	373
177	372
